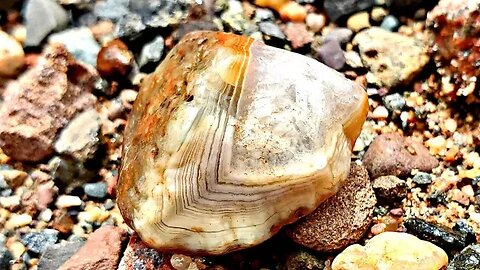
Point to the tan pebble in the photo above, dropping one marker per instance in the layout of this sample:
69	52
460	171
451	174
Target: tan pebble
18	220
380	113
180	262
65	201
392	251
436	144
450	125
378	228
315	22
10	201
78	230
294	12
14	178
358	21
17	249
378	14
468	191
12	57
19	32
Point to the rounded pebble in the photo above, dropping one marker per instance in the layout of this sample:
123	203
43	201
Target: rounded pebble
12	57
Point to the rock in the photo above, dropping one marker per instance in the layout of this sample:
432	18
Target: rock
264	15
96	190
292	11
298	35
340	35
342	219
65	201
17	221
80	43
461	226
63	222
467	259
301	260
12	57
42	17
111	9
137	255
234	18
393	59
5	257
68	173
358	21
439	235
379	113
79	139
315	22
13	178
129	27
10	202
392	154
337	9
378	14
392	251
390	188
390	23
394	102
330	53
271	30
151	54
421	178
43	100
44	195
38	241
352	59
106	242
55	255
115	60
455	40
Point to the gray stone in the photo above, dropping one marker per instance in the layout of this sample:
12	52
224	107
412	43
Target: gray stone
129	27
330	53
390	23
264	15
55	255
301	260
80	43
272	30
337	9
96	190
422	178
69	173
341	35
38	241
41	18
394	102
152	52
467	259
111	9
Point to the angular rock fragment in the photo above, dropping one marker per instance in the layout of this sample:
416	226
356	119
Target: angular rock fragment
139	256
230	139
43	100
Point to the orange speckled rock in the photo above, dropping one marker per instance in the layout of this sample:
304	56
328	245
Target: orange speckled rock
230	139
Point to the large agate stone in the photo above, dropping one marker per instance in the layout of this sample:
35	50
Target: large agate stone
230	139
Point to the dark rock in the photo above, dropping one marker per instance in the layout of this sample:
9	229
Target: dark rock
41	102
467	259
5	257
79	139
330	53
129	27
303	260
38	241
271	30
437	197
342	219
96	190
337	9
422	178
441	236
264	15
42	17
69	173
392	154
151	54
390	188
115	61
80	43
390	23
56	255
138	256
394	102
101	251
462	227
340	35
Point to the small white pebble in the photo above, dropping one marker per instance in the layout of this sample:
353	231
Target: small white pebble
16	221
10	201
65	201
45	215
380	113
180	262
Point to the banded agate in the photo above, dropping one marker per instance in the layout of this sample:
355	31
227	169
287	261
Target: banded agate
230	139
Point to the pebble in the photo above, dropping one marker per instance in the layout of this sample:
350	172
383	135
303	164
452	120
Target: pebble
63	222
301	260
10	202
181	262
115	60
392	154
351	209
340	35
338	9
5	257
80	43
138	255
42	17
234	17
93	214
38	241
293	12
315	22
106	242
151	54
16	249
437	234
358	21
380	113
56	255
390	23
65	201
298	35
96	190
331	54
271	30
13	178
378	14
393	59
421	178
69	173
264	15
436	145
12	57
45	215
352	59
394	102
18	220
467	259
129	27
390	188
392	251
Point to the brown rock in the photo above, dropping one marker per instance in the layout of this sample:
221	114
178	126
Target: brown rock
137	255
14	178
390	187
298	35
342	219
114	61
41	102
101	251
392	154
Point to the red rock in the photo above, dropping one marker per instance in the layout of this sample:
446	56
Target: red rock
41	102
139	256
101	251
44	194
298	35
392	154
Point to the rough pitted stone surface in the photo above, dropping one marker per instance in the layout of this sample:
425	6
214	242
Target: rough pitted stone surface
392	58
101	251
392	154
468	259
138	256
56	255
392	251
390	187
342	219
43	100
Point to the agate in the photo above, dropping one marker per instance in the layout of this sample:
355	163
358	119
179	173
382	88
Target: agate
230	139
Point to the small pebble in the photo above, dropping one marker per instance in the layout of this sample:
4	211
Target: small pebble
16	249
10	201
12	57
65	201
378	14
38	241
18	220
340	35
394	102
315	22
96	190
380	113
331	54
422	178
436	144
358	21
181	262
45	215
390	23
152	53
115	60
293	12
